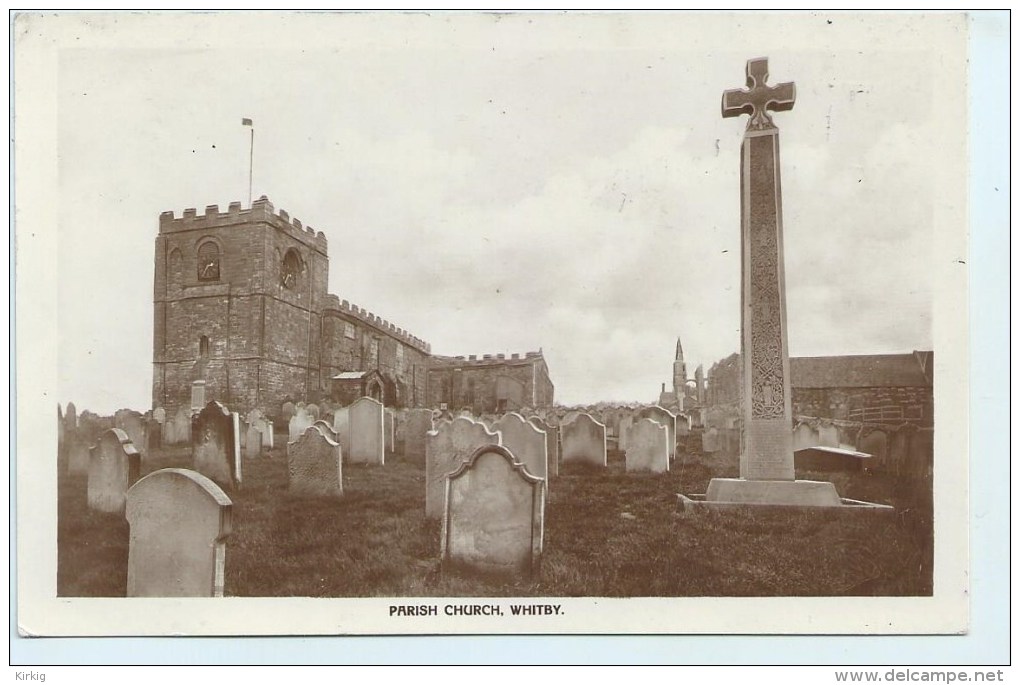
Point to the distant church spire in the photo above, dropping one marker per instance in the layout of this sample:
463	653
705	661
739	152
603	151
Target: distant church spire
679	350
679	374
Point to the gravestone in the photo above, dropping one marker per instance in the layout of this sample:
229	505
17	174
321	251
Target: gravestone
213	444
766	460
390	433
326	429
666	418
177	429
298	424
417	425
446	448
805	435
159	415
131	422
493	516
828	435
552	444
252	441
526	442
114	466
626	421
366	432
313	412
236	455
70	417
314	463
267	435
583	440
648	447
77	453
287	410
342	428
197	395
710	440
179	523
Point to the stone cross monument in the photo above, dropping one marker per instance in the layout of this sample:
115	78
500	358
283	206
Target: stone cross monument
766	459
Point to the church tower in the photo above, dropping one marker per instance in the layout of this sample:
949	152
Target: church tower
679	373
237	302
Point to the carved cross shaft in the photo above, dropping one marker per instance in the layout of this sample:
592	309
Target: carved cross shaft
758	98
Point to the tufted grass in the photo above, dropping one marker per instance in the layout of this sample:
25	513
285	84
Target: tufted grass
607	533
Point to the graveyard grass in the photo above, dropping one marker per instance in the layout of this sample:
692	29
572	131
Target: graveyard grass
607	534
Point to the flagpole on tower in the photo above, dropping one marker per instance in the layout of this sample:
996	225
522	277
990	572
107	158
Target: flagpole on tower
251	154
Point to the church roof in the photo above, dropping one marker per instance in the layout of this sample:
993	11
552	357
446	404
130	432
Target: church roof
862	371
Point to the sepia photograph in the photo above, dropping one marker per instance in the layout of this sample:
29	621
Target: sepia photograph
393	323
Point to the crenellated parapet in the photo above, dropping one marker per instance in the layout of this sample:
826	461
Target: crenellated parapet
345	308
261	211
485	359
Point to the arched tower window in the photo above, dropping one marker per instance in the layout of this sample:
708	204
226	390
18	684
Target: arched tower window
208	261
203	347
291	269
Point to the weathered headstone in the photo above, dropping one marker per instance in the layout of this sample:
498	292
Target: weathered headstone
526	442
114	466
179	524
131	422
494	515
287	410
552	444
197	395
159	415
446	448
314	463
828	435
710	440
298	424
583	440
313	411
648	447
416	426
766	459
366	432
213	444
267	435
666	418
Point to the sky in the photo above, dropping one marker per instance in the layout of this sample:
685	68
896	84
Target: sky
504	183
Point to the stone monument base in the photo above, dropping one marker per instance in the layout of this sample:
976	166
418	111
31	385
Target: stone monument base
777	495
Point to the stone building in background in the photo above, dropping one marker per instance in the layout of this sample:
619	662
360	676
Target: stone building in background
869	388
240	301
491	383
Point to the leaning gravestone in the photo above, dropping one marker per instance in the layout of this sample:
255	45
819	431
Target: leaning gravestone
299	423
213	444
179	524
583	440
417	425
114	466
313	463
493	516
552	444
446	448
526	442
366	432
131	422
648	447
